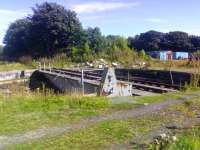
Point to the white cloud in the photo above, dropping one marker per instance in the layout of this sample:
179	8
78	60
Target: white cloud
156	20
7	17
101	6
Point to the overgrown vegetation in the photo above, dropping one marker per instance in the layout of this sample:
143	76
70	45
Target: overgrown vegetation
23	111
47	109
99	136
10	66
119	133
53	30
189	140
176	41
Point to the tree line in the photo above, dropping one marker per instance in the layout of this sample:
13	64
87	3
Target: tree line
175	41
52	29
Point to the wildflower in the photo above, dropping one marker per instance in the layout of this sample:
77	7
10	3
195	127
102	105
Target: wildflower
156	141
163	135
174	138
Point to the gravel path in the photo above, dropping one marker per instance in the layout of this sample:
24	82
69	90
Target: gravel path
53	131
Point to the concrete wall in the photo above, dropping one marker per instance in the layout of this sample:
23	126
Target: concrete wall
60	83
13	75
70	85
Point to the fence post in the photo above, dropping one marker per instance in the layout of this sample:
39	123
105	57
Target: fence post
49	67
40	66
44	65
82	81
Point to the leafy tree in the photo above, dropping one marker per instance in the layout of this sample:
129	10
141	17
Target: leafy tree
153	40
53	27
95	40
142	54
16	39
81	54
150	40
177	41
195	41
121	43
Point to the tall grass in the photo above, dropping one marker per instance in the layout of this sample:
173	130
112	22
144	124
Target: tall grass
189	140
22	110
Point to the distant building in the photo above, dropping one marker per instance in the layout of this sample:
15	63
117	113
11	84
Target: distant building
168	55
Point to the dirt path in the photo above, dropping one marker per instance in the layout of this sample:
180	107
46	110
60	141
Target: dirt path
124	114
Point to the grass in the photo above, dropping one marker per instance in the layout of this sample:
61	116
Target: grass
174	65
99	136
59	61
23	111
20	113
9	66
189	140
146	100
111	133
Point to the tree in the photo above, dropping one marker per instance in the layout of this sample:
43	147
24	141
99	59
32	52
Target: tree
142	54
175	41
121	43
53	28
95	40
195	41
81	54
149	41
16	38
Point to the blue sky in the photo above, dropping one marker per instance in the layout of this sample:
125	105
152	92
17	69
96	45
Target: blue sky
118	17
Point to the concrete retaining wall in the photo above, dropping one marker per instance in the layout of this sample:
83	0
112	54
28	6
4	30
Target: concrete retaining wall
14	75
60	83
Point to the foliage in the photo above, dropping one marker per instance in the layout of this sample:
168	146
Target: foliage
53	30
176	41
16	38
95	40
8	66
117	50
50	30
189	140
142	54
81	54
48	109
197	54
53	27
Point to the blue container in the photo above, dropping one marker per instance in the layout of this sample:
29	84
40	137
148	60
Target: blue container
180	55
163	55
